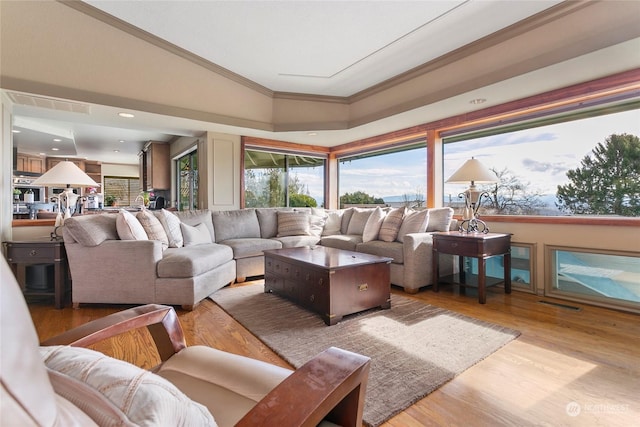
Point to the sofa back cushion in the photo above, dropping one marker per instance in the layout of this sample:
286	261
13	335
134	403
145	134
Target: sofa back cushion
91	230
440	219
198	216
235	224
268	220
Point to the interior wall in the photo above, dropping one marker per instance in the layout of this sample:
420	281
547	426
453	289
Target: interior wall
6	151
597	237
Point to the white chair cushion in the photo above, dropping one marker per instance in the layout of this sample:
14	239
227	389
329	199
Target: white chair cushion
144	397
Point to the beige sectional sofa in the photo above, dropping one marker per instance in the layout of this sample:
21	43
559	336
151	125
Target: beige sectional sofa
180	258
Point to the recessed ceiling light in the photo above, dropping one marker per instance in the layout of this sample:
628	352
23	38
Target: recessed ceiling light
478	101
116	151
55	149
312	133
126	115
42	154
121	141
15	131
57	140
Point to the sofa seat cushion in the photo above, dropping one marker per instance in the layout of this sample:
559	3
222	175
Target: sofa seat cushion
297	241
191	261
385	249
250	247
347	242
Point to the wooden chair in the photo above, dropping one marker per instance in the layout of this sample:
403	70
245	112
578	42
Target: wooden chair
328	389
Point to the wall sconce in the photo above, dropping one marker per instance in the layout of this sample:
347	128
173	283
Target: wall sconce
474	172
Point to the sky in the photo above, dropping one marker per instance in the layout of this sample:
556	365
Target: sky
539	157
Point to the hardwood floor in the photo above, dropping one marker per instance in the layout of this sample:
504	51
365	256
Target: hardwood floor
568	368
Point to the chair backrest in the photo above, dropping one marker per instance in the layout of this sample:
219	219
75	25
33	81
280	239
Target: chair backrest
27	397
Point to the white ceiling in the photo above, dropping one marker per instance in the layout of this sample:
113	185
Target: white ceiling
336	48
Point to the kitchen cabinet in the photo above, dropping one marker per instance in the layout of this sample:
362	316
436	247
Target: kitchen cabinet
52	161
155	167
94	170
29	163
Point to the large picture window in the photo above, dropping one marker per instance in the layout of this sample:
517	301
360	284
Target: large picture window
396	177
120	191
273	179
588	166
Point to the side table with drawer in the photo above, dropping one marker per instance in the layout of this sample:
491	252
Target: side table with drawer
475	245
23	254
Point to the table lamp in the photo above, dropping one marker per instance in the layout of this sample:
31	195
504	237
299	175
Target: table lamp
65	174
472	171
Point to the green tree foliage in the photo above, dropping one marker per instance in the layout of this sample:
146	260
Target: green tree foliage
607	181
359	198
511	196
265	188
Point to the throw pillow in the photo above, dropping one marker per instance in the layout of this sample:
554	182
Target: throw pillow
333	223
413	222
358	220
143	397
316	225
372	227
153	227
293	224
198	235
391	225
171	225
440	219
129	228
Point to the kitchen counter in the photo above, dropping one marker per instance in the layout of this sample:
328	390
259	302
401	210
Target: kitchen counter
33	222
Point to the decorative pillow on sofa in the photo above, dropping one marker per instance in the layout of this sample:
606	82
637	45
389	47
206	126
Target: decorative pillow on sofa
372	227
128	226
440	219
413	222
359	220
171	224
144	397
332	223
391	225
153	227
293	224
316	225
198	235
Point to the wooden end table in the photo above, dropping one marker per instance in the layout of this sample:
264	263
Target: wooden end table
331	282
474	245
21	254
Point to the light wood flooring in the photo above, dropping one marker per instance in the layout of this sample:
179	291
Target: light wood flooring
568	368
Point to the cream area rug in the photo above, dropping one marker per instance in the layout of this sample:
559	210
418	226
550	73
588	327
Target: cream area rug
414	347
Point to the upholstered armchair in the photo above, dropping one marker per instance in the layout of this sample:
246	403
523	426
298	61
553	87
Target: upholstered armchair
60	383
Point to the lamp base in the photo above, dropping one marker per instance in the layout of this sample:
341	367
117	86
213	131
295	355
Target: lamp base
473	225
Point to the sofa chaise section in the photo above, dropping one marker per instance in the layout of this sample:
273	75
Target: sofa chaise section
105	269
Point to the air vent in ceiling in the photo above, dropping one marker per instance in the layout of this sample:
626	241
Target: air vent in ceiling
50	103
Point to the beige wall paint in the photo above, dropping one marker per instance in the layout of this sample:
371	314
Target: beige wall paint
220	180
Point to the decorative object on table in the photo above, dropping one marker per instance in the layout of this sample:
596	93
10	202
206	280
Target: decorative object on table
473	171
16	195
28	196
65	174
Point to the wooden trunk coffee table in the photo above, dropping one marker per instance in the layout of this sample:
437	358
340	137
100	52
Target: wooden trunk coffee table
331	282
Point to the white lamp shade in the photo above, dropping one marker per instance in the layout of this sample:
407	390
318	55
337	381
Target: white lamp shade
65	174
472	170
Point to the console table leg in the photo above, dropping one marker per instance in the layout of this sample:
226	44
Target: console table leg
507	273
482	291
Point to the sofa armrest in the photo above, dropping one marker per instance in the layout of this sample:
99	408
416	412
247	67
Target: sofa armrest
161	320
417	253
330	386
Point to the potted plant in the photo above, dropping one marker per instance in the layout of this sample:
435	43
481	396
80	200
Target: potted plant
109	200
16	195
